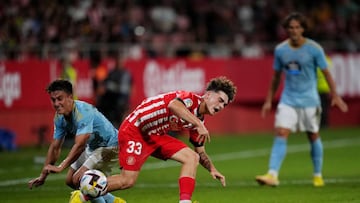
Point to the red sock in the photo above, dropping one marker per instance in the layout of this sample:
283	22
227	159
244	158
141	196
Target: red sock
186	187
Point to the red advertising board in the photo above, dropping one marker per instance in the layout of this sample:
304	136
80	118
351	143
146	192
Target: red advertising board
157	76
22	84
24	103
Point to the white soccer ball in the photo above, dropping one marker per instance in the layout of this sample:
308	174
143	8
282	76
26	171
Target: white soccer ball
93	183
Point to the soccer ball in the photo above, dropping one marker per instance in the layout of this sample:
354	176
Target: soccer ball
93	183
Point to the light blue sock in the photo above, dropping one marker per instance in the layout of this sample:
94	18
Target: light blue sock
317	155
278	153
109	198
98	200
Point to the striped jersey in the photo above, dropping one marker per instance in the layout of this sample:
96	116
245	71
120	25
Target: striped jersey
153	117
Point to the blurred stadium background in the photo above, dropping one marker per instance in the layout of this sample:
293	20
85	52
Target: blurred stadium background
166	45
166	28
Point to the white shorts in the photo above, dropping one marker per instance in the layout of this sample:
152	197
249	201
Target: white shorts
298	119
103	158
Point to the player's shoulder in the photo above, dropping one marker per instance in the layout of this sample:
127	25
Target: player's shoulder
313	44
189	98
282	45
183	92
83	109
82	105
186	94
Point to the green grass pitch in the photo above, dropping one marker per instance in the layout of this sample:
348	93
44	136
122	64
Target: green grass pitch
239	158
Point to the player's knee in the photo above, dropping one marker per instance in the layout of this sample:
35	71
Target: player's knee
313	136
283	132
69	182
192	158
76	181
196	158
129	182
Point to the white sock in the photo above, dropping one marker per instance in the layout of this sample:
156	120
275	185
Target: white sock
273	173
185	201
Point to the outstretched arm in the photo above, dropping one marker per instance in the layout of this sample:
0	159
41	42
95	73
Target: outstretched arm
206	162
74	154
52	156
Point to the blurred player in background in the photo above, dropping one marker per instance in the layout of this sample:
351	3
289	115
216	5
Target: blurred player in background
95	144
299	108
114	102
144	133
68	72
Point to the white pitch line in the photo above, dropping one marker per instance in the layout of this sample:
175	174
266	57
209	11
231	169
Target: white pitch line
260	152
230	184
248	183
219	157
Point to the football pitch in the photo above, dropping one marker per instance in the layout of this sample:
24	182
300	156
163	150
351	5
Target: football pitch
239	158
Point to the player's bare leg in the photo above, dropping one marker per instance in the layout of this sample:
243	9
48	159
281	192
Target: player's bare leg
316	154
277	156
190	161
126	179
69	179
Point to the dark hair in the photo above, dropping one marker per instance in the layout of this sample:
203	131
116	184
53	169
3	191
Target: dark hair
62	85
222	84
295	16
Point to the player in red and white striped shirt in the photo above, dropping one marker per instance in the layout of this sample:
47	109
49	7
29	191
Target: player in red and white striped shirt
144	133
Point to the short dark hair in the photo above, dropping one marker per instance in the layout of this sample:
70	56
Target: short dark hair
295	16
222	84
60	84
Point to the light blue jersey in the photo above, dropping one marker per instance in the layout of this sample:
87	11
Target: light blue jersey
85	119
299	66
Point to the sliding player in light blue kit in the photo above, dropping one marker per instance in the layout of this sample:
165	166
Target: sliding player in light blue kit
95	144
299	108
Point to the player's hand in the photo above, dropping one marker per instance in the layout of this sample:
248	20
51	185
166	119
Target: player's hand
36	182
336	100
265	109
217	175
52	169
203	134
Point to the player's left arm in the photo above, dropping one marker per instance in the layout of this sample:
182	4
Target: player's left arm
206	162
73	155
335	98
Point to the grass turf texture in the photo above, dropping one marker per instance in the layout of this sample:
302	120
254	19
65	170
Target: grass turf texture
239	158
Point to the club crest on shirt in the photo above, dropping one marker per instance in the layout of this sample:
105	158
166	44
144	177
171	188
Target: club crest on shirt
130	160
293	67
188	102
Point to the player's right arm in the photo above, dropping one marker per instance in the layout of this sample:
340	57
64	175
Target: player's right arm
180	110
52	156
75	152
271	93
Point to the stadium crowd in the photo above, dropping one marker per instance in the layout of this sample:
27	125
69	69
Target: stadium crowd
171	27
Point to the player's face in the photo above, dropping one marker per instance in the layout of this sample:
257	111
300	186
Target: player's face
62	102
215	101
295	31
